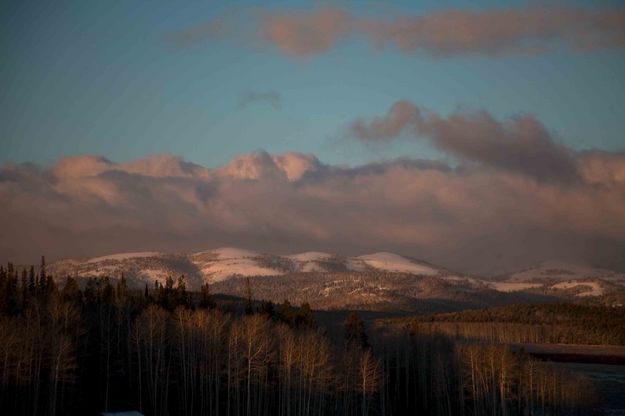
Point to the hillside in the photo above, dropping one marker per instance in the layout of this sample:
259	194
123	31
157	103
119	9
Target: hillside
221	264
380	281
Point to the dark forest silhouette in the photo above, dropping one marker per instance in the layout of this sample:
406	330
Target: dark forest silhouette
166	351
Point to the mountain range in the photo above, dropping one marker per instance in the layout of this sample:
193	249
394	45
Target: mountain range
377	281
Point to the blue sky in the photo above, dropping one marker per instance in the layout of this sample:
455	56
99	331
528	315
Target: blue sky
101	78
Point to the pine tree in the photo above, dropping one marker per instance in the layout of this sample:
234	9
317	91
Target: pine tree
42	275
249	309
121	289
4	290
285	312
32	281
24	289
355	330
71	292
181	298
206	298
305	316
107	293
268	309
10	291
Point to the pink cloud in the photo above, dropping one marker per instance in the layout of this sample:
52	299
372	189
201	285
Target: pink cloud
474	219
306	33
521	30
446	32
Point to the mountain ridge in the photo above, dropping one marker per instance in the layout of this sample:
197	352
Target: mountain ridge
219	264
374	278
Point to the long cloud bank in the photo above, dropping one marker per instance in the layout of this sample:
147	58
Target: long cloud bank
526	30
470	217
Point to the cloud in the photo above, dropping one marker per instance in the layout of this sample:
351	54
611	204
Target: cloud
272	98
306	33
470	218
80	166
442	33
600	167
400	115
526	30
521	144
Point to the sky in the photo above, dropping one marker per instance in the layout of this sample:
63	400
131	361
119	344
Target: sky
432	100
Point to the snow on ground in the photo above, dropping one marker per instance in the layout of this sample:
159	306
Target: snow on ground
394	263
124	256
594	288
230	261
99	271
309	256
233	253
512	286
558	271
355	264
307	261
312	267
466	280
222	269
152	275
473	281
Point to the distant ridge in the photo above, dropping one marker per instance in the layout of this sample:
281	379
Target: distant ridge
381	280
226	262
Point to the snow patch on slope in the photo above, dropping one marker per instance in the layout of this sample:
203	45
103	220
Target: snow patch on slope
310	256
123	256
220	264
394	263
219	271
588	288
512	286
233	253
311	266
559	271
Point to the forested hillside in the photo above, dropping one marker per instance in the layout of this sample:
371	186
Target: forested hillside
538	323
166	351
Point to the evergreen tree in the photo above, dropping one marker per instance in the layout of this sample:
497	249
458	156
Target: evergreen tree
24	289
4	291
10	293
91	292
355	331
71	292
32	281
42	275
169	284
285	312
121	290
206	298
305	316
107	293
249	308
268	309
181	297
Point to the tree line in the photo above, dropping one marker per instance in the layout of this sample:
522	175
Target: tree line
564	323
163	350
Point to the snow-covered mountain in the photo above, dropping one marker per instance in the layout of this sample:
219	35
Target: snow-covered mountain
562	278
223	263
139	268
553	270
378	280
